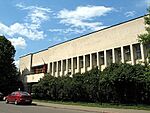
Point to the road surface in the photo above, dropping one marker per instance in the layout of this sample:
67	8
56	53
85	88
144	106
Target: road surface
11	108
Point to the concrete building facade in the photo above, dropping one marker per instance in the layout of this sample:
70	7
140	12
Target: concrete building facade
115	44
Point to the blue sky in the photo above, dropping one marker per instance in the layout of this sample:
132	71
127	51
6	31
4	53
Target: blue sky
34	25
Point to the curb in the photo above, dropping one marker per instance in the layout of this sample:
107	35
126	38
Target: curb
71	107
89	109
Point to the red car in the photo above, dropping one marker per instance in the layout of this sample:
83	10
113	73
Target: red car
19	97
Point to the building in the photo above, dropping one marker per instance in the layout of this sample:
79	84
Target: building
115	44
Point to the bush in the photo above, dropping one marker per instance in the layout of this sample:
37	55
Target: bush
118	83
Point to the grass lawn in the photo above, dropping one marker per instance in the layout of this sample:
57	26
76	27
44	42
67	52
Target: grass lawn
101	105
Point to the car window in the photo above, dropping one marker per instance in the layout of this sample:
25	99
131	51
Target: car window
24	93
13	93
16	93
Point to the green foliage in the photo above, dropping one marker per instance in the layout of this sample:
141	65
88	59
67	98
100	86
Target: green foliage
8	71
145	38
90	85
118	83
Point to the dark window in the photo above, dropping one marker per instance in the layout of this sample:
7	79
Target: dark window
87	60
40	69
81	61
137	51
127	53
101	57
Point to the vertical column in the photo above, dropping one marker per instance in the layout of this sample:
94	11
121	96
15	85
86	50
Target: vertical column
78	64
105	58
122	55
142	52
62	71
52	68
48	68
132	55
98	60
57	69
90	61
113	55
72	67
84	67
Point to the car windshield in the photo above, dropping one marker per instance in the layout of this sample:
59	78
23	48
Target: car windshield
24	93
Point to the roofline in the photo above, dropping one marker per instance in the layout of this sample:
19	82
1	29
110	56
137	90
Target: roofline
26	55
86	35
97	31
33	53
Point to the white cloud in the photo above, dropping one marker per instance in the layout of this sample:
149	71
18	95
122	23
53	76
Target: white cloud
130	13
68	30
36	14
24	29
30	28
82	16
4	29
74	30
18	42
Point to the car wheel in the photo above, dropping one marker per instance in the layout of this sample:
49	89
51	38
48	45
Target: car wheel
6	101
16	102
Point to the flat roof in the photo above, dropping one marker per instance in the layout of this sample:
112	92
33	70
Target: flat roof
85	35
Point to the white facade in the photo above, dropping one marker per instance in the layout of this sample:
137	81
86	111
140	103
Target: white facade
114	44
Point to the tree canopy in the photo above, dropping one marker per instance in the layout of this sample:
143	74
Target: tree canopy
145	38
8	70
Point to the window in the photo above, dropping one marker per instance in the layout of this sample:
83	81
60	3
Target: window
69	63
87	60
64	65
81	61
127	53
94	59
50	67
109	56
137	50
59	65
118	55
24	94
101	55
40	69
147	50
55	66
75	63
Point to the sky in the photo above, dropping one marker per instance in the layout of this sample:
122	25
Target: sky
34	25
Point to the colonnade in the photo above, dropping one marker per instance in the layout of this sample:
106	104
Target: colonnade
132	54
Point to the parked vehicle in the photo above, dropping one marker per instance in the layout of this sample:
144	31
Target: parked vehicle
19	97
1	96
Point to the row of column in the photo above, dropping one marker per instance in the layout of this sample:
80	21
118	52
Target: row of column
101	59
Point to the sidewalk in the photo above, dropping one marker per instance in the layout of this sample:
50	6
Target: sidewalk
90	109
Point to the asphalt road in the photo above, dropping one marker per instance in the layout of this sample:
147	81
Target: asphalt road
11	108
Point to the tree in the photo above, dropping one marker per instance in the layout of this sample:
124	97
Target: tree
125	83
145	38
8	71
